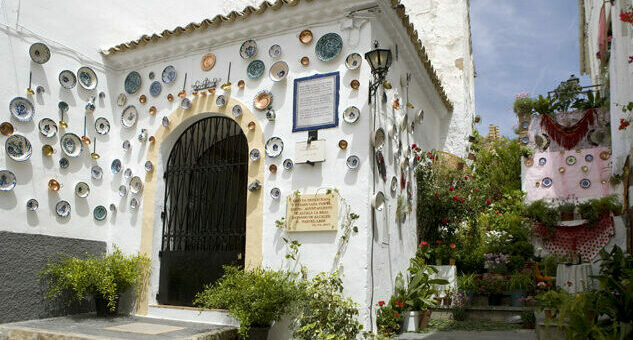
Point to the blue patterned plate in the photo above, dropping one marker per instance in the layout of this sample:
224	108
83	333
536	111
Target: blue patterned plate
96	172
32	204
40	53
585	183
169	74
82	189
220	101
255	69
351	115
21	109
274	147
589	158
278	71
352	162
48	127
132	82
87	78
62	208
18	148
353	61
542	161
63	163
288	164
102	126
274	51
7	180
115	167
248	49
328	47
547	182
71	144
100	213
129	116
155	89
67	79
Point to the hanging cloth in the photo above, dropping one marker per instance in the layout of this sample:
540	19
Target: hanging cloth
568	136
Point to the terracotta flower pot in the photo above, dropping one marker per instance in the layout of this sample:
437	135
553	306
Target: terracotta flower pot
451	261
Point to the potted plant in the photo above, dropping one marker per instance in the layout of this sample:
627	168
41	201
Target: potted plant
256	298
527	315
588	212
566	210
105	278
460	303
524	106
466	283
493	286
549	302
388	319
519	284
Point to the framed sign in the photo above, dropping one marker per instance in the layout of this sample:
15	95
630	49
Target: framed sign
315	104
317	212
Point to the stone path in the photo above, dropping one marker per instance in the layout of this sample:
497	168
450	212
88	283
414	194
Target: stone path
90	327
519	334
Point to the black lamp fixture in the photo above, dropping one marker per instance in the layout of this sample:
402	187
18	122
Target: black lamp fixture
573	80
379	60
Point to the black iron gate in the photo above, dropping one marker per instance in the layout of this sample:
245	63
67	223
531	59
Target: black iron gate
204	217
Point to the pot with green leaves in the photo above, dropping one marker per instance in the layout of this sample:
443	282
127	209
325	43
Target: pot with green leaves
519	284
467	284
566	210
549	302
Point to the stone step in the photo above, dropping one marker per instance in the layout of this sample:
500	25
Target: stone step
482	313
192	314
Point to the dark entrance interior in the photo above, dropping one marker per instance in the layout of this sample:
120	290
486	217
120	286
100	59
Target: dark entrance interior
204	216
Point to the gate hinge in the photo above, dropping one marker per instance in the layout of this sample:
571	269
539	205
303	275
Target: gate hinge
162	215
165	174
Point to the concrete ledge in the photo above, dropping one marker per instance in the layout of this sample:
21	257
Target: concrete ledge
490	313
191	314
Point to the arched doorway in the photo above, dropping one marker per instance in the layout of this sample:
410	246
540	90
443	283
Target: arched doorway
204	219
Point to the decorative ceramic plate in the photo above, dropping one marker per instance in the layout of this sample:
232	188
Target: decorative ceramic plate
155	88
352	162
342	144
305	61
132	82
62	208
547	182
272	168
136	185
169	74
542	161
561	170
113	207
584	168
102	126
328	47
6	129
248	49
63	163
82	189
71	144
542	140
185	103
570	160
394	185
48	127
165	122
254	155
353	61
278	71
263	99
67	79
149	166
122	191
40	53
605	155
305	36
126	145
351	115
133	203
275	193
142	137
255	69
21	109
237	111
7	180
525	140
207	62
18	148
274	147
525	125
419	116
585	183
115	167
589	158
274	51
63	106
127	173
151	75
96	172
288	164
220	101
100	213
129	116
32	204
528	162
87	78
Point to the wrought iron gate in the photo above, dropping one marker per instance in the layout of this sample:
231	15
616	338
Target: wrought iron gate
204	216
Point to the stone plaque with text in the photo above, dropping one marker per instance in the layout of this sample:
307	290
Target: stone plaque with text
317	212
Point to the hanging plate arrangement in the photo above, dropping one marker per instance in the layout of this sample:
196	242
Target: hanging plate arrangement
570	160
129	116
96	172
248	49
21	109
351	115
207	62
274	51
328	47
32	204
255	69
353	61
263	99
82	189
115	167
274	147
185	103
136	185
40	53
62	208
6	129
122	191
127	173
126	145
254	155
352	162
67	79
275	193
18	148
278	71
547	182
132	82
220	101
589	158
585	183
288	164
102	126
149	166
71	144
133	203
121	100
542	161
63	163
7	180
155	88
87	78
99	213
169	74
48	127
237	111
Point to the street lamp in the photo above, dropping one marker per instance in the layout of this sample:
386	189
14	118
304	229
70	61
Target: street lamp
379	60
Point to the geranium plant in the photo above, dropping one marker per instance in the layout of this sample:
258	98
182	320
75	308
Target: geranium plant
389	317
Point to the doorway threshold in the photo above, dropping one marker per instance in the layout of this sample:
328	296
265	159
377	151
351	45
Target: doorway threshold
192	314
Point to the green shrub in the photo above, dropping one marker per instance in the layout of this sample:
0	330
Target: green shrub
542	212
588	211
467	282
521	282
388	318
524	249
550	264
524	106
517	263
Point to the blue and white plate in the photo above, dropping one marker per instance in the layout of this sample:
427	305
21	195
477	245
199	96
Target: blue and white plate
542	161
115	167
353	61
129	116
136	185
547	182
132	82
62	208
155	88
255	69
169	74
100	213
328	47
185	103
248	49
278	71
237	111
126	145
589	158
18	148
32	204
254	155
275	193
7	180
87	78
21	109
351	115
71	144
288	164
67	79
585	183
274	51
122	191
525	140
274	147
220	101
96	172
102	126
82	189
63	163
40	53
48	127
352	162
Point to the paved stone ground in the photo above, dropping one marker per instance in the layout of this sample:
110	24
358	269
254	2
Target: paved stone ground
519	334
88	326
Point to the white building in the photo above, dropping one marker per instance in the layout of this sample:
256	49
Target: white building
211	192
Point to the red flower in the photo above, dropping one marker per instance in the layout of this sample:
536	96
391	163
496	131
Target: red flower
455	198
399	304
452	245
626	17
437	195
623	124
438	242
381	303
423	244
451	188
397	315
466	177
569	283
414	146
417	158
444	221
476	190
488	202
